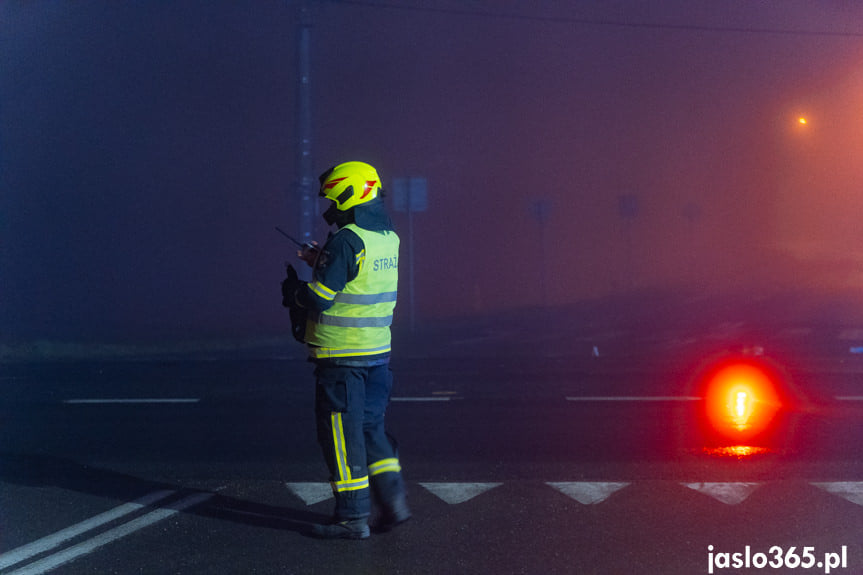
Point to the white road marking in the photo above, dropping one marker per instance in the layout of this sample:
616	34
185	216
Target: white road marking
850	334
55	540
794	332
850	490
454	493
70	554
311	493
133	400
426	398
588	492
634	398
728	493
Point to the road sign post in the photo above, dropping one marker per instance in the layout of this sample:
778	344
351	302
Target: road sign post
410	195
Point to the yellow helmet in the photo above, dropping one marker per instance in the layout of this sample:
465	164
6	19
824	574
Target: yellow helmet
350	184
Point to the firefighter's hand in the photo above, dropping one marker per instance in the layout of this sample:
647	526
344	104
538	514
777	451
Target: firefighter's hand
290	285
309	254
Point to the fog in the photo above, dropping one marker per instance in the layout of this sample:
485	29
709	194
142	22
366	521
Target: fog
148	149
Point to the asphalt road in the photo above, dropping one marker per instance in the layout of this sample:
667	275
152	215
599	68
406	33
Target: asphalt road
516	463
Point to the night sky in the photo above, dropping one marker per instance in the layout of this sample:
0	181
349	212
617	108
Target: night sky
148	149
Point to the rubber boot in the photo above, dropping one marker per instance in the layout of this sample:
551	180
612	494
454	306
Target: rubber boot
395	512
348	529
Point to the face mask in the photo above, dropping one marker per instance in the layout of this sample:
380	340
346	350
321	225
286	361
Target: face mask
331	216
335	216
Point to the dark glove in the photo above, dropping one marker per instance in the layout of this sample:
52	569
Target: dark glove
298	323
290	285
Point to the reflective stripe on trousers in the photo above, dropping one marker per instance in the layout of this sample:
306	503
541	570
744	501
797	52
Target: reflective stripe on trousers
345	481
384	466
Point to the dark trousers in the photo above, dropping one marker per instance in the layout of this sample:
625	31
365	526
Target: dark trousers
350	405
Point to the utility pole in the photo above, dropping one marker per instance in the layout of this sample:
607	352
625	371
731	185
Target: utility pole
628	209
305	191
540	209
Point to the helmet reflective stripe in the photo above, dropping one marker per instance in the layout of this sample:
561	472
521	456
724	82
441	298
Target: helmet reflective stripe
350	184
332	183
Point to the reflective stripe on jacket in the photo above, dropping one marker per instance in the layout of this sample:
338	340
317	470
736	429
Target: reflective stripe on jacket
358	322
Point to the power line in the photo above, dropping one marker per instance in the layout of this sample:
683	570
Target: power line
599	22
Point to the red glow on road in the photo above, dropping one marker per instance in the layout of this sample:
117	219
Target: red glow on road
737	451
741	401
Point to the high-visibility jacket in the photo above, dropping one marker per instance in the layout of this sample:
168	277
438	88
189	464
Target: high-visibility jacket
358	322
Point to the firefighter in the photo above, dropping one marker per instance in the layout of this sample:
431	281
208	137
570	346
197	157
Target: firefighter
348	307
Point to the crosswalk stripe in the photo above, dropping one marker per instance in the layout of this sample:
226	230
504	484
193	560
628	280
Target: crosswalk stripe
728	493
850	490
311	493
588	492
454	493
